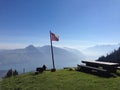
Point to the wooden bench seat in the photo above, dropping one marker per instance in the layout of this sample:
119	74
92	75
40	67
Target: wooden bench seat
93	70
83	67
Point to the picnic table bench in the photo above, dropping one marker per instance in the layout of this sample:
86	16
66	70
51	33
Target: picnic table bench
89	69
109	66
102	67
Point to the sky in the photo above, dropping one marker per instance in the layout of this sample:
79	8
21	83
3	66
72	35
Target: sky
79	23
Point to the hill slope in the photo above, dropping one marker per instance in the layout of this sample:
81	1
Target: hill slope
112	57
60	80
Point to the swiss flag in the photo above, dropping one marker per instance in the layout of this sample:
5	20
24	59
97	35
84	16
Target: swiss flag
54	37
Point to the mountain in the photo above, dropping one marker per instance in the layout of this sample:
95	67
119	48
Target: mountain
18	55
95	52
63	57
32	57
112	57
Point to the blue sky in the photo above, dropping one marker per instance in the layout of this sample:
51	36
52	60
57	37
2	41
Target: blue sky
79	23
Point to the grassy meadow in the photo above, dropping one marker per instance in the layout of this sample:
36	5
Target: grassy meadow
60	80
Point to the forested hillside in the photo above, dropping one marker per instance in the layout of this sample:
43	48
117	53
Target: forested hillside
112	57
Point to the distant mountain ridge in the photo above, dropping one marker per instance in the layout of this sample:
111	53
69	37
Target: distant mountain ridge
31	57
96	51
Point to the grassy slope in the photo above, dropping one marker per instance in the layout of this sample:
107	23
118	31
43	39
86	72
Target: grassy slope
60	80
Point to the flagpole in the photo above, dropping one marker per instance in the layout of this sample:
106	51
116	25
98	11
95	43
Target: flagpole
52	53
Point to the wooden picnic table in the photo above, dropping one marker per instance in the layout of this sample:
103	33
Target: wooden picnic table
109	66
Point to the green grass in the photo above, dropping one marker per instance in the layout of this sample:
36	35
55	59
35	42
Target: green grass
60	80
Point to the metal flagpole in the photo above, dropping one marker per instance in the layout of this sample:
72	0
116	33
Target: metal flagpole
52	53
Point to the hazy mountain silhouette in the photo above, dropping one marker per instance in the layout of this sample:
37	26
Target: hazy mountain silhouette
32	57
99	50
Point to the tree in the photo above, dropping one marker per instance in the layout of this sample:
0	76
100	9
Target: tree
15	73
112	57
11	73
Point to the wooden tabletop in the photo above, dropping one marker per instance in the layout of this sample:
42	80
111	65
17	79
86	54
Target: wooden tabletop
103	63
